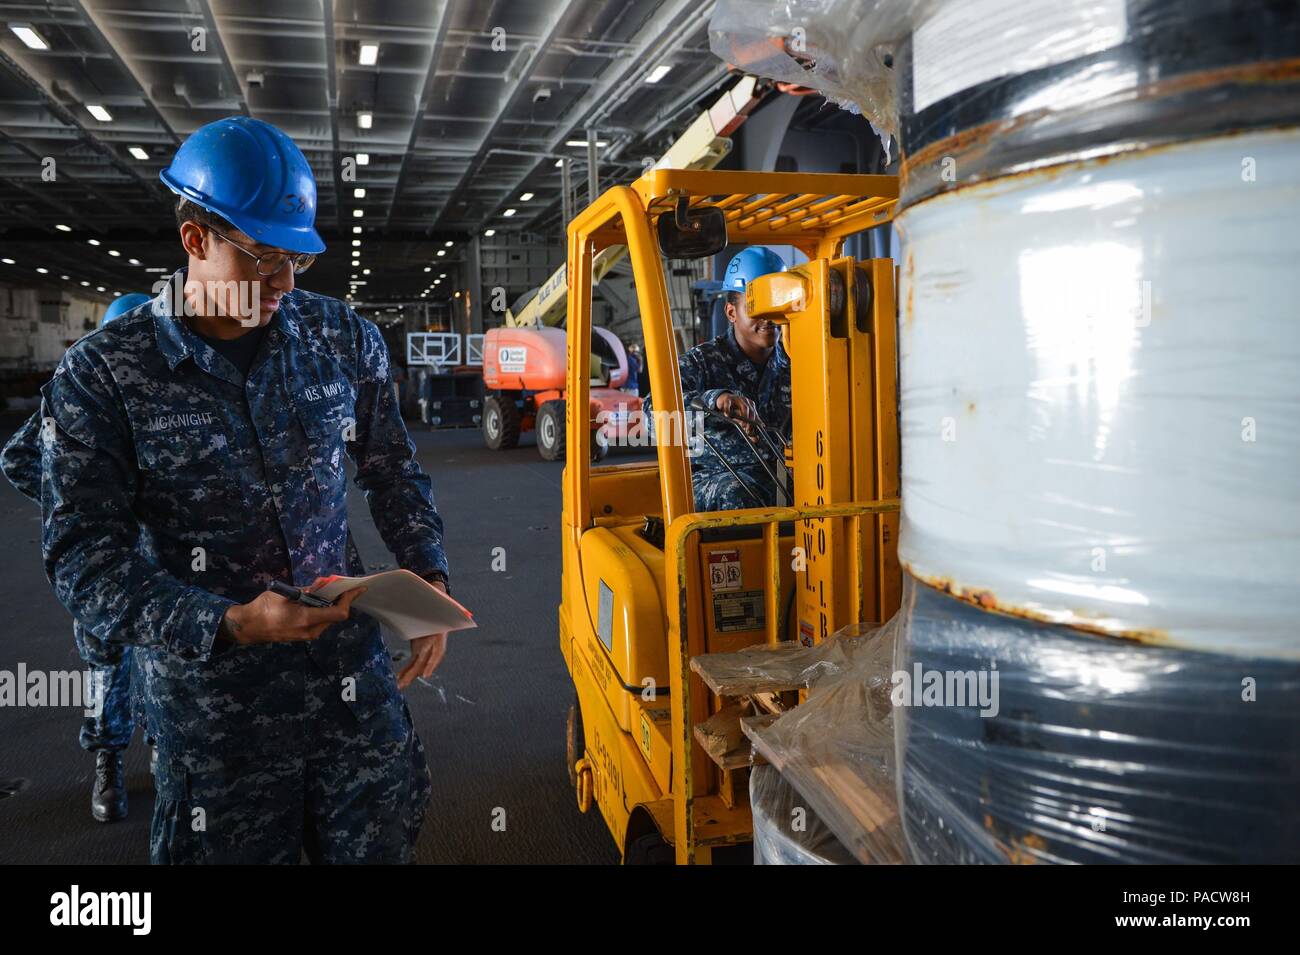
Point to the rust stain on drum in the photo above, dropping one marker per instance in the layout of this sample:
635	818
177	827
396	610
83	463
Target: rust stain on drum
988	601
911	286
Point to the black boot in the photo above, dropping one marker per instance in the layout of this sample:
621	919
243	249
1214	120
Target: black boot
108	797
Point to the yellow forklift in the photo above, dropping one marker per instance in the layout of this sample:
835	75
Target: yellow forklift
649	585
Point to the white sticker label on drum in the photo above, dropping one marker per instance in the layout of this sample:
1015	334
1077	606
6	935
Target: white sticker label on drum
973	41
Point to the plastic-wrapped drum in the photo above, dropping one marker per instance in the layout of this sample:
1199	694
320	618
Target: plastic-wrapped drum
1101	394
1100	376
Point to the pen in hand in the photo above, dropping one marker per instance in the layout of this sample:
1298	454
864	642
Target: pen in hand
304	597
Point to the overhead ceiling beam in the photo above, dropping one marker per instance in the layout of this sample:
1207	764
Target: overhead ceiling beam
217	41
106	38
332	91
516	88
661	32
57	110
663	118
421	106
42	196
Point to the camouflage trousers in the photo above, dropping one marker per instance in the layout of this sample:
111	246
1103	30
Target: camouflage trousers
720	491
342	799
352	806
112	727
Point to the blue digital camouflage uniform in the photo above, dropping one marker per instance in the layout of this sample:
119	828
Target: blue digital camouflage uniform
112	726
707	370
264	751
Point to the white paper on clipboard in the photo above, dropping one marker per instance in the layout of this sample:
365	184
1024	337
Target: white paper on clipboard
403	602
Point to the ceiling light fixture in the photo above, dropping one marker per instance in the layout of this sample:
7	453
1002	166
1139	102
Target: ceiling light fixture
138	153
365	119
63	228
31	39
358	193
489	232
508	213
659	72
526	197
101	114
363	159
369	54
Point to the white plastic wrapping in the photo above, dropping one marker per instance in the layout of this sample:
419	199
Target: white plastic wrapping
842	48
976	89
785	831
1099	402
836	749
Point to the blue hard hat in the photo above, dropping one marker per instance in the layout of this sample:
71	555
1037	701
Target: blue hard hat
747	265
123	304
253	176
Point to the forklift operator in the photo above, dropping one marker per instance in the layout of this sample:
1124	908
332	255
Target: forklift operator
741	380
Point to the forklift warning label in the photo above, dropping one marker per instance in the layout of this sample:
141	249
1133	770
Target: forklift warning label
738	611
724	570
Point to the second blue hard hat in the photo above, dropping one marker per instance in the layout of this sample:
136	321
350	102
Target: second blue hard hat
123	304
253	176
748	264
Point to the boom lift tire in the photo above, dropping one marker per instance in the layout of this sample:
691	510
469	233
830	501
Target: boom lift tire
550	431
501	420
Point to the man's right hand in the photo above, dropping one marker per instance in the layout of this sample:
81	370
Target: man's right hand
270	618
741	410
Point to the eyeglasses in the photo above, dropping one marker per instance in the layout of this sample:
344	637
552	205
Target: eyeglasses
270	263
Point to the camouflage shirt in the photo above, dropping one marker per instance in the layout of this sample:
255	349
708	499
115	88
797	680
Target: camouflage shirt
172	488
708	370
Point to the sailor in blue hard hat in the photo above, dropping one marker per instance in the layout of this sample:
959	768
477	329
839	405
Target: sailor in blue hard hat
246	213
743	375
108	723
123	304
219	436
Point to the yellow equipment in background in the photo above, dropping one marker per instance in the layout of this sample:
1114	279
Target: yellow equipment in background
703	144
648	584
